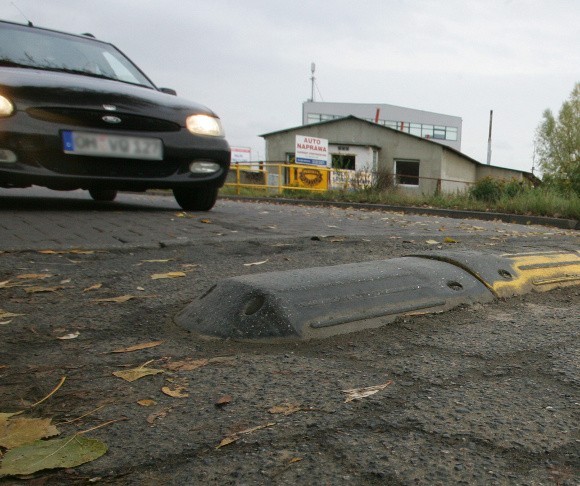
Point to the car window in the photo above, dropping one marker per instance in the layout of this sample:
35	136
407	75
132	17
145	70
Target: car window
39	49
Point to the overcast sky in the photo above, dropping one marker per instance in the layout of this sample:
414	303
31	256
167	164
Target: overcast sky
249	60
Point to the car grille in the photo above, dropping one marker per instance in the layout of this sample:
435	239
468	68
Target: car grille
94	119
101	167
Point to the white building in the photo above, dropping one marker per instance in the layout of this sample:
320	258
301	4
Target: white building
444	129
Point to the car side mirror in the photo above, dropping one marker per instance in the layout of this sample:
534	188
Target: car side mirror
168	91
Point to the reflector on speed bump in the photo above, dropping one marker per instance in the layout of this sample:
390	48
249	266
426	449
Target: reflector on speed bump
519	273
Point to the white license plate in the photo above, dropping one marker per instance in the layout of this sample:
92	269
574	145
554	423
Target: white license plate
104	145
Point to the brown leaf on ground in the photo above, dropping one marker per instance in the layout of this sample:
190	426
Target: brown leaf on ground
39	289
449	240
138	347
158	415
234	437
255	263
34	276
360	393
189	364
146	402
15	432
206	221
285	409
93	287
72	335
223	401
177	392
7	315
64	252
134	374
158	276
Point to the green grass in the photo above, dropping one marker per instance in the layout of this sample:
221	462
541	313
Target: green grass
543	201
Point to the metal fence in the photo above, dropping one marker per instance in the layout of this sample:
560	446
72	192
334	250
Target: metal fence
280	176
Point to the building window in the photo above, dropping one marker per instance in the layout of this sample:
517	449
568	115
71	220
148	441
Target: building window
407	172
451	133
343	161
415	129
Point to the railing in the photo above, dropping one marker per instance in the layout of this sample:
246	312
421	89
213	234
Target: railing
280	176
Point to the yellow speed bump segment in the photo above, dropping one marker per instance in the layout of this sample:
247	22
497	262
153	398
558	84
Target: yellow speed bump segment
518	273
538	271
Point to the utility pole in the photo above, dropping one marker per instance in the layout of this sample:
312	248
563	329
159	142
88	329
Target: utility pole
489	138
312	80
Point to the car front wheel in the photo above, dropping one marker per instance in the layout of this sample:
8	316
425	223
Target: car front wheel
103	194
201	199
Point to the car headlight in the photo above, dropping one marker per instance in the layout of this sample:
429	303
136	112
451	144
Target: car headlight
6	106
204	125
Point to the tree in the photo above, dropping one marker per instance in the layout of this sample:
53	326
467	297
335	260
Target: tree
557	144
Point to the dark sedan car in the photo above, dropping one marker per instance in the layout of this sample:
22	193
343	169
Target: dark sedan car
76	113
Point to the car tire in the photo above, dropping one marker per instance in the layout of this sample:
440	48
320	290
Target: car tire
201	199
103	194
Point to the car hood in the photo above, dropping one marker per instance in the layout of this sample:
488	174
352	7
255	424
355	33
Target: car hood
32	88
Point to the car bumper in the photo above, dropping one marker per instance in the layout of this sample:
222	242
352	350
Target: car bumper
40	160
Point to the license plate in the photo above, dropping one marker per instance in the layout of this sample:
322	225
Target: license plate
105	145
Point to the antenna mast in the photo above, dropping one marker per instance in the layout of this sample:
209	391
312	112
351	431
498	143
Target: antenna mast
312	80
489	138
22	13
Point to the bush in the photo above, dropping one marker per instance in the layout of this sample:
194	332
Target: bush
487	189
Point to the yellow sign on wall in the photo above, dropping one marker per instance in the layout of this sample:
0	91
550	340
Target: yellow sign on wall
309	177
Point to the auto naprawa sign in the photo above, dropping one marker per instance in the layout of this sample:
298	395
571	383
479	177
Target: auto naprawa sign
311	150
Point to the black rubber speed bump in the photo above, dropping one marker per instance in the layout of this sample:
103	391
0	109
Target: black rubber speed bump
319	302
324	301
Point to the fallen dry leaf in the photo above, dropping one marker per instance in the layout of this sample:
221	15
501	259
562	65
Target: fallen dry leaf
146	402
193	364
121	299
6	415
38	289
237	436
34	276
64	252
157	276
157	415
222	401
359	393
15	432
72	335
93	287
6	315
137	347
285	409
449	240
136	373
206	221
186	365
432	242
255	263
177	392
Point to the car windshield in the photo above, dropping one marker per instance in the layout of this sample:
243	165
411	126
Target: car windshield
38	49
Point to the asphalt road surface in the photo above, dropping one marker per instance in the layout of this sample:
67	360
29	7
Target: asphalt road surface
482	394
